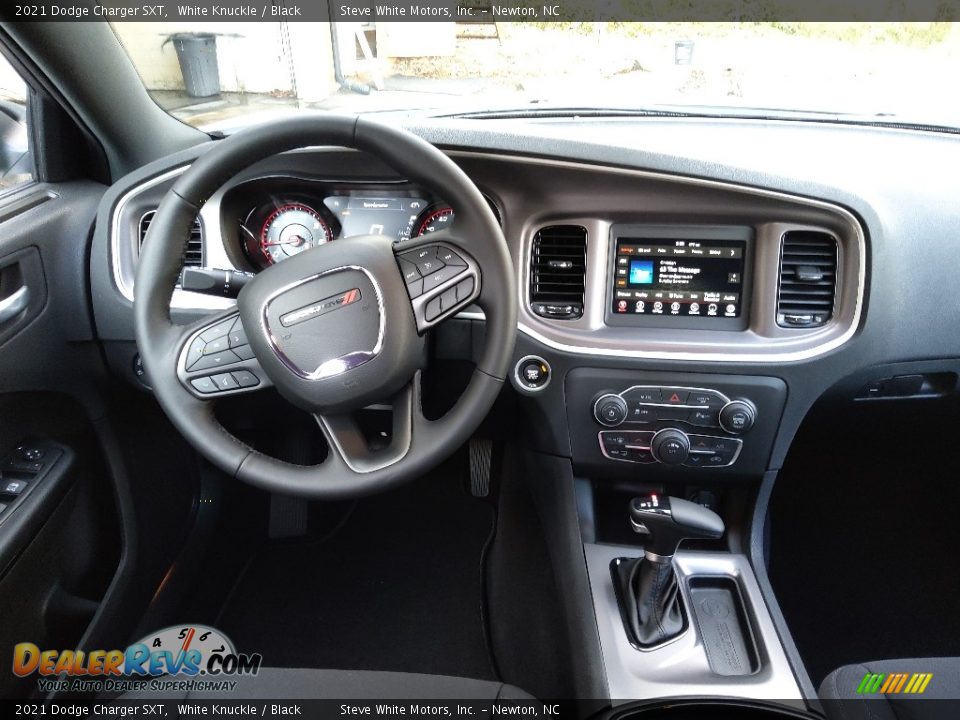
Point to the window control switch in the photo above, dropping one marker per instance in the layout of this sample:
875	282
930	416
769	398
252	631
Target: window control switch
12	487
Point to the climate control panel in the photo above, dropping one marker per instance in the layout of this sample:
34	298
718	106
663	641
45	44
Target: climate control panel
653	425
698	407
669	446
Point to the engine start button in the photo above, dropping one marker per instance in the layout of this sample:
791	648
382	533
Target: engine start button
532	374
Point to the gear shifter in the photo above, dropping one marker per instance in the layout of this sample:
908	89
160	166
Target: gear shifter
648	584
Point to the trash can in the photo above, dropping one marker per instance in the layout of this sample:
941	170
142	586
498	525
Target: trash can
683	52
197	54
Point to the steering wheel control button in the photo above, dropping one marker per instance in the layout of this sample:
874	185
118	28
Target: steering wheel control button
449	257
465	289
411	277
237	336
415	289
610	410
219	359
439	277
225	381
204	385
217	331
216	345
244	352
738	416
409	271
245	378
433	309
532	373
194	353
670	446
429	264
449	299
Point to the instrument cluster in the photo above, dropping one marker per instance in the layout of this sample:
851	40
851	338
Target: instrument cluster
283	224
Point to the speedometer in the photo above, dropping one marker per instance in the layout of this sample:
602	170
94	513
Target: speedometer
436	218
291	229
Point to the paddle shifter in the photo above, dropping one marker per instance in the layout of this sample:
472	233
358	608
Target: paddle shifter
648	585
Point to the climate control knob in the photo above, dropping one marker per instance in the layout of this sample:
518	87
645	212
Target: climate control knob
610	410
670	446
738	416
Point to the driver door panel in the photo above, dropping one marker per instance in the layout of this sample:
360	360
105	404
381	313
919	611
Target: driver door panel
59	535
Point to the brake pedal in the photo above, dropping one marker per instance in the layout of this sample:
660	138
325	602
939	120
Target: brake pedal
481	456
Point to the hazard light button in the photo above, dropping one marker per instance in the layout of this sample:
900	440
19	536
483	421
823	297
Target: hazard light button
674	396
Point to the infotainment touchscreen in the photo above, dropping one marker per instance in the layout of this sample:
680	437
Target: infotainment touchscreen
678	277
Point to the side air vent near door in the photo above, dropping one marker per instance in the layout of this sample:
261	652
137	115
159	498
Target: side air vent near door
808	279
558	263
193	257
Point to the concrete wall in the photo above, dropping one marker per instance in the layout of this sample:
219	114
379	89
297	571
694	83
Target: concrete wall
286	58
12	86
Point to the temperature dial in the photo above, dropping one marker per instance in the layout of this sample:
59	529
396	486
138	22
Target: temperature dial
738	416
670	446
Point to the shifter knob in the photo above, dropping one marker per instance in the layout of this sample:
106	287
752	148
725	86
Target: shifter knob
668	520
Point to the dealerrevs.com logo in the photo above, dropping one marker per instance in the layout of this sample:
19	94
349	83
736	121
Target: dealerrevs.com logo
177	658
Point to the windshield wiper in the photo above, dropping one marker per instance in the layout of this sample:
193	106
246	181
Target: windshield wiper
885	120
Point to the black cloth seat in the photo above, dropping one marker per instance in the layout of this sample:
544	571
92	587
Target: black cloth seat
841	701
310	684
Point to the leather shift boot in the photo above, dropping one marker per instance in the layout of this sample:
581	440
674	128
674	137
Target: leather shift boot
653	603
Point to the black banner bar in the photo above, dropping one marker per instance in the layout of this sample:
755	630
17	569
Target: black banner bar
483	11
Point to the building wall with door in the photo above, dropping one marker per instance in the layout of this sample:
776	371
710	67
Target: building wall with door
285	59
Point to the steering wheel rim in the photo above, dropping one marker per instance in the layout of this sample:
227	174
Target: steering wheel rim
349	470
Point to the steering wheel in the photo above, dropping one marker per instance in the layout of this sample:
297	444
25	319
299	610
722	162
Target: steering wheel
333	328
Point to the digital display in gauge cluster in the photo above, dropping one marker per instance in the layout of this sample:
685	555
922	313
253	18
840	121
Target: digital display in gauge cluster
398	217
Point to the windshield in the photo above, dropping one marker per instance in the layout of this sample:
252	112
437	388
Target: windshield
222	75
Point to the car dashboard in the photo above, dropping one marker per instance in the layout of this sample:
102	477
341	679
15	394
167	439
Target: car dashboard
687	290
617	266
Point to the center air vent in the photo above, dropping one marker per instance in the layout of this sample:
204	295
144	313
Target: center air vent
808	279
558	263
193	257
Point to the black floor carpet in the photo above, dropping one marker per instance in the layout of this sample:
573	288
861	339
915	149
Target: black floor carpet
397	587
865	535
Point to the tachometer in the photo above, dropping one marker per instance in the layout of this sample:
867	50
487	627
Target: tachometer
436	218
291	229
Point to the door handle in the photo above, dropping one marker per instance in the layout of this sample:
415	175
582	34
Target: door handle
15	304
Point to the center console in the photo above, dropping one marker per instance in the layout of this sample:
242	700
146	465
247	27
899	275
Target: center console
687	621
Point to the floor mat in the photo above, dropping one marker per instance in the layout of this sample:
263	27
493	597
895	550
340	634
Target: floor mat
864	536
398	587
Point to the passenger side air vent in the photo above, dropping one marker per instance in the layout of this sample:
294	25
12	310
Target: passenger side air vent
558	263
193	257
808	279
